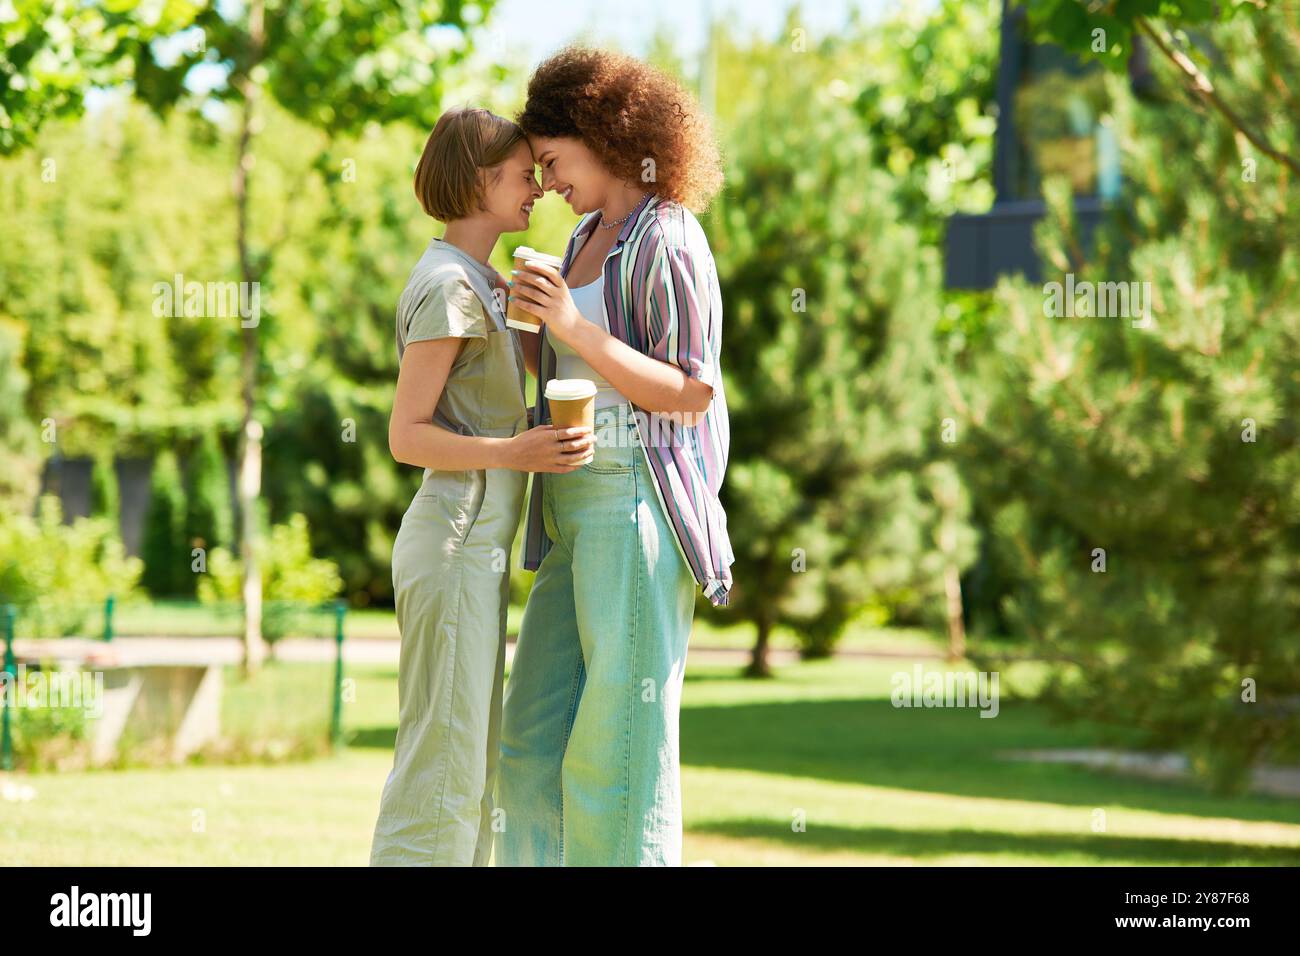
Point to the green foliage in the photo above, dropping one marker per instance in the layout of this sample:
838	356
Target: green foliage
1169	449
19	445
1074	24
133	202
58	575
207	504
55	50
292	580
929	105
845	208
105	496
336	66
49	737
831	301
165	550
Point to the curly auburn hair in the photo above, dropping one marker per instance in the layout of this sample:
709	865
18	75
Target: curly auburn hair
626	111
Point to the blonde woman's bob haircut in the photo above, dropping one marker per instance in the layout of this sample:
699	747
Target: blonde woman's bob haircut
450	177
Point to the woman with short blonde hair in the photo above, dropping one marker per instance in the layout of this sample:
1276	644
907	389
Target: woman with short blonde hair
459	413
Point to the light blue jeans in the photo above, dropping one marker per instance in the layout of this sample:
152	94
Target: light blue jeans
589	770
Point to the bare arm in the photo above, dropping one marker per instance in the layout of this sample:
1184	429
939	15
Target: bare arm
414	439
531	343
646	381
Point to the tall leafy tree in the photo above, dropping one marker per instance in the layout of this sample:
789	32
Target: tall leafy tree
56	50
166	556
105	496
19	479
207	502
337	67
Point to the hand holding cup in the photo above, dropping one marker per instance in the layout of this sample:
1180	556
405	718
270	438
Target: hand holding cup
553	449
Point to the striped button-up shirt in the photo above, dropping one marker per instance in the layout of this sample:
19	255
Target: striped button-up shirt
662	299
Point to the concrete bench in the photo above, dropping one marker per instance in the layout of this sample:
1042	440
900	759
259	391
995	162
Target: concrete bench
173	705
177	705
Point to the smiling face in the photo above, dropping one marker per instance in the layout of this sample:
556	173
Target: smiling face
510	190
572	171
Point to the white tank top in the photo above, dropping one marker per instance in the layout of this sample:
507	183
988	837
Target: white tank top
590	300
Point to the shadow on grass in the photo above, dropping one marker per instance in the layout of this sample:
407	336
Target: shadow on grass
893	841
934	750
938	750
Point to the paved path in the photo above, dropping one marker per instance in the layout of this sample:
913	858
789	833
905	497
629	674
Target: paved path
1278	781
229	650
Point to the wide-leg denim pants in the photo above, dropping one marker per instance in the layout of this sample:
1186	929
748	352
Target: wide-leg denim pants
589	770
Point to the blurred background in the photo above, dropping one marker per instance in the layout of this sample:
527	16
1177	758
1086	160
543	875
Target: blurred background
1012	310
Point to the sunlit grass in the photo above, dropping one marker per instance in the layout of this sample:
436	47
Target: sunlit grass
814	767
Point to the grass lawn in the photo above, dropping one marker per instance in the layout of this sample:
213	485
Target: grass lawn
819	745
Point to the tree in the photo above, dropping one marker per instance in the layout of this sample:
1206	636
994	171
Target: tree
166	559
1142	467
55	50
105	497
929	103
1111	32
135	202
207	503
831	304
20	478
337	68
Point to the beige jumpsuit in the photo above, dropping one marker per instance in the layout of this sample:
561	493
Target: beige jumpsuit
451	578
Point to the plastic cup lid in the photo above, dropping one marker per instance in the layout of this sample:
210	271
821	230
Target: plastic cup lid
530	254
569	389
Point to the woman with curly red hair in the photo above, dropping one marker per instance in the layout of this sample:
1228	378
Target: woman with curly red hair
589	771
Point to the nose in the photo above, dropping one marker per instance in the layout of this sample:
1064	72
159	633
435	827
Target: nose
536	190
548	180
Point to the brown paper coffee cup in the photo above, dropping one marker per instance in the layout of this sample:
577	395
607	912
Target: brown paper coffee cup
572	402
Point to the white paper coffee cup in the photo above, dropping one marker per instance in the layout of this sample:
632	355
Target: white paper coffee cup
517	315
